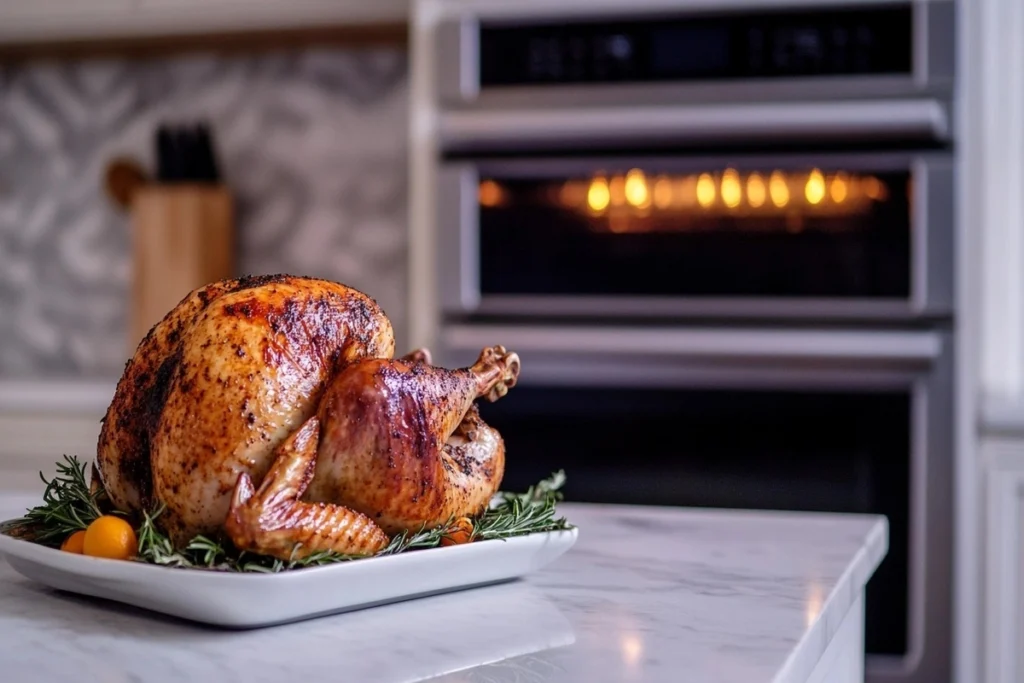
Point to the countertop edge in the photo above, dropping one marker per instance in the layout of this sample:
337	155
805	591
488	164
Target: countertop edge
805	656
863	537
812	646
51	397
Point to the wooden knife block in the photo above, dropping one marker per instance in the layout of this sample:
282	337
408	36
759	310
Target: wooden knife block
182	238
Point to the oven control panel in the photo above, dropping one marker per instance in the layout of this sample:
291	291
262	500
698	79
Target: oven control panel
770	44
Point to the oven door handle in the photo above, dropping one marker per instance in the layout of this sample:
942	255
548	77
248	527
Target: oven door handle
468	130
773	346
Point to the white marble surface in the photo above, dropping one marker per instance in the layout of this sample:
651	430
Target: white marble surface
646	595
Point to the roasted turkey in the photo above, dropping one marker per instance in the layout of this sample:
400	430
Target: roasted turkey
271	410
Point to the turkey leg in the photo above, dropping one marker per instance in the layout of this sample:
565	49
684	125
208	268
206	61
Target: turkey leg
271	520
403	443
496	372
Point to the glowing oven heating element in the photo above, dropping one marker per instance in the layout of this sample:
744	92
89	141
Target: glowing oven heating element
636	202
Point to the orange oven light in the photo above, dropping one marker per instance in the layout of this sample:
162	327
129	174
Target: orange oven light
632	202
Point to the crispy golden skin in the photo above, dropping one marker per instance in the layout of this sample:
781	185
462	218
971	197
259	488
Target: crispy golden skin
403	443
270	409
273	521
220	383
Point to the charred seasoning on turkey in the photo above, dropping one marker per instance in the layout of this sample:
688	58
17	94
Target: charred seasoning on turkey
272	409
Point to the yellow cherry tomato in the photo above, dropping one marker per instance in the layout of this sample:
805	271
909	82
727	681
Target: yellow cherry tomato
110	537
459	533
74	543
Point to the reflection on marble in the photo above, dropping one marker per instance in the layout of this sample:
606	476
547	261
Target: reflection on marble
312	143
645	595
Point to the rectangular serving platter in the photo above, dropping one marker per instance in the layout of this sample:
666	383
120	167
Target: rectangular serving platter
252	600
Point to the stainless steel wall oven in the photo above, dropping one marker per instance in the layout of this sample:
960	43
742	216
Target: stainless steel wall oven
720	236
786	419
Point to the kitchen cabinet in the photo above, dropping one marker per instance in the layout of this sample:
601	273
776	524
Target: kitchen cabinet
990	281
62	20
1004	580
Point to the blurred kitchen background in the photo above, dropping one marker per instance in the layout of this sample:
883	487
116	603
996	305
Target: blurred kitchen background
753	254
313	150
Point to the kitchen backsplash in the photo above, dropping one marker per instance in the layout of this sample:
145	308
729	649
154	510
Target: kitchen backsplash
311	142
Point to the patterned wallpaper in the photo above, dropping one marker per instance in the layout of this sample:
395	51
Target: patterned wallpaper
311	142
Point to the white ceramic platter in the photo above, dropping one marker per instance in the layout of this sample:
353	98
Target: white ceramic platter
236	600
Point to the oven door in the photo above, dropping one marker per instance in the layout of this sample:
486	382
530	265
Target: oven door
856	422
865	236
566	74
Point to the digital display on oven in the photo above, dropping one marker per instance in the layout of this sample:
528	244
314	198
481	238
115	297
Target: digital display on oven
768	44
686	50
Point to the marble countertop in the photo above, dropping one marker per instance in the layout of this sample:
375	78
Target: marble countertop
647	594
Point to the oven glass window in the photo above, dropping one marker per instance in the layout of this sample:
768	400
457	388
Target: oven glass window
749	45
807	233
845	452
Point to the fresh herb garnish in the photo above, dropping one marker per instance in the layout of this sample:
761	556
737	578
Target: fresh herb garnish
70	504
509	514
515	514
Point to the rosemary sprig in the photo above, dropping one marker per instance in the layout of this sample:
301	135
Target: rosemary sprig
68	506
512	514
424	538
509	514
156	548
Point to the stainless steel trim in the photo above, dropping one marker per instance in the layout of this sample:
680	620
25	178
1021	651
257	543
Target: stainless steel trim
597	369
579	96
458	270
691	306
559	128
565	370
920	235
931	525
899	347
933	267
940	59
921	46
457	46
558	11
557	167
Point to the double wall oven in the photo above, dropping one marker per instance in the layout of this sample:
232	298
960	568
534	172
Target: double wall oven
720	236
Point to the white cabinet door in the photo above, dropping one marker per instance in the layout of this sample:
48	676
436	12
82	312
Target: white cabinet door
1004	613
